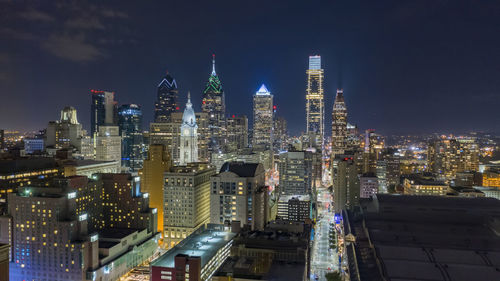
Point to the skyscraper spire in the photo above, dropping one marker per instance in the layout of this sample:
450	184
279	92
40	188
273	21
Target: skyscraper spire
189	97
213	65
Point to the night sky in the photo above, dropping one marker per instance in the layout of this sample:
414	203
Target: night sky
405	66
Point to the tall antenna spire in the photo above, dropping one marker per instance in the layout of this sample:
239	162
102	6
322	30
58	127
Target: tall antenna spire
213	65
189	97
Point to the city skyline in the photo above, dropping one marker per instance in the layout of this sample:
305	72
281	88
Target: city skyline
421	65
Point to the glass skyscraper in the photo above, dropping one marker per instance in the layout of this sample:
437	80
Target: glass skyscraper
130	123
103	110
262	119
315	109
214	105
167	98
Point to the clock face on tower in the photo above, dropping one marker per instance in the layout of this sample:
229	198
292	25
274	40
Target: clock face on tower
186	132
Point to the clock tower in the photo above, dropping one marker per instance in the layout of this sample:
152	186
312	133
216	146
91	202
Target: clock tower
189	135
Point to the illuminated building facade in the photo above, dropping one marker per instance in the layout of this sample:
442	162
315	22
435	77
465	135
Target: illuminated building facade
169	134
446	157
346	185
280	134
4	262
108	144
373	146
262	119
296	172
167	96
294	207
339	124
491	178
315	108
103	110
369	185
81	229
187	201
237	133
151	174
424	185
65	133
130	124
189	135
214	105
238	193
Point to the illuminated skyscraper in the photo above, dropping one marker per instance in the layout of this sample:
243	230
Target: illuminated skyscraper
315	108
103	110
130	123
65	133
339	124
166	103
215	106
262	119
158	162
187	200
189	135
237	133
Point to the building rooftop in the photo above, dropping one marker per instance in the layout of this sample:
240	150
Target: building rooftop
426	238
242	169
203	243
245	268
20	165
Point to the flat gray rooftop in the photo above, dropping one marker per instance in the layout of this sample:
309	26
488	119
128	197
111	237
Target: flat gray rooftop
203	243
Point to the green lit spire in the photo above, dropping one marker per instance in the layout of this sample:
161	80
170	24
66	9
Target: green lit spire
213	85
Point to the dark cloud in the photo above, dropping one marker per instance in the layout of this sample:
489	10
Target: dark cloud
36	15
73	48
84	23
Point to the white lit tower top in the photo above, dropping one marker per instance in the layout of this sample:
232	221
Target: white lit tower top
315	109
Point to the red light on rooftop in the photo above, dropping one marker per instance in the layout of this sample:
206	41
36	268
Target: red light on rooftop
177	108
203	102
274	107
233	116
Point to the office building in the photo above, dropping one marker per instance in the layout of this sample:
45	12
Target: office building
262	119
279	252
130	124
238	193
424	238
197	257
151	174
280	134
81	229
294	207
214	105
4	262
315	107
65	133
237	133
373	147
189	135
186	201
346	185
491	178
34	145
296	172
167	96
108	144
339	125
169	134
424	184
103	110
368	184
2	139
446	157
